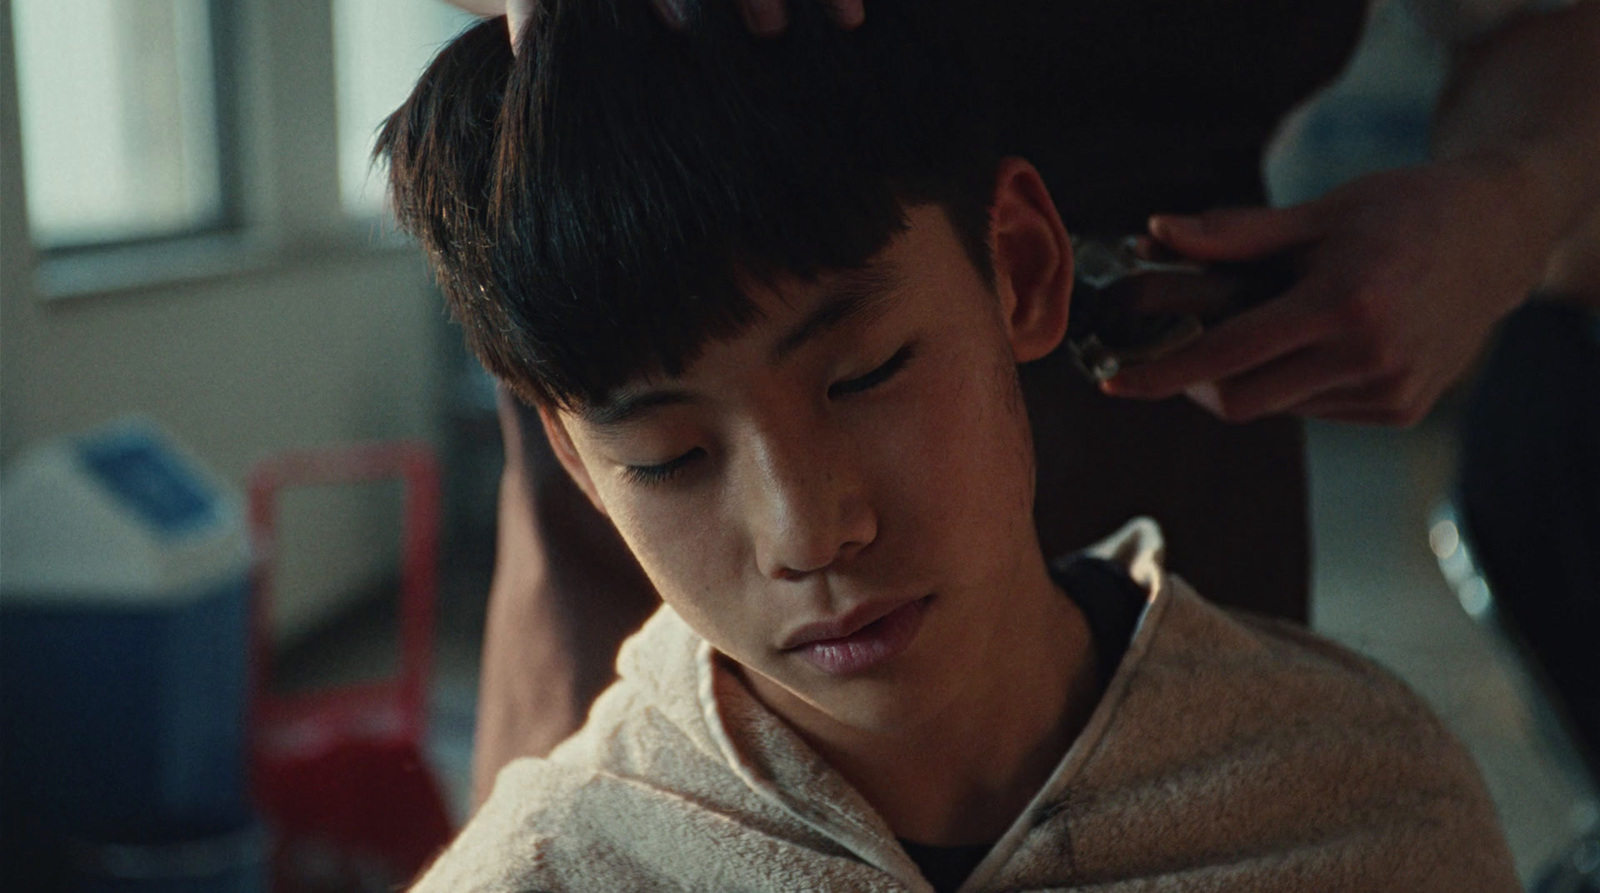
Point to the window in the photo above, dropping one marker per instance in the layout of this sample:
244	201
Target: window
381	46
124	107
120	134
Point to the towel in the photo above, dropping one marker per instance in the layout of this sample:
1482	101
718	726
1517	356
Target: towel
1228	753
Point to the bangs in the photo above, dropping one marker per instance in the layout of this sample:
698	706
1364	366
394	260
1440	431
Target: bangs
620	183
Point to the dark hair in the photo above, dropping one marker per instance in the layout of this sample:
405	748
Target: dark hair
591	205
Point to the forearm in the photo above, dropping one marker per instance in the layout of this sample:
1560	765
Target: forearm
1573	274
485	8
1527	100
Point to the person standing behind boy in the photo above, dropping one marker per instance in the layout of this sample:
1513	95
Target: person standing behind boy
769	299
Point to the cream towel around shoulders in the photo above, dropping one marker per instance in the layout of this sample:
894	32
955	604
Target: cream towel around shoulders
1229	753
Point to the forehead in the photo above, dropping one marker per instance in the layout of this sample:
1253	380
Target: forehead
793	312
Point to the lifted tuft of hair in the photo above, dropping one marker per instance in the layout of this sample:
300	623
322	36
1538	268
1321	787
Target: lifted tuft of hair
592	205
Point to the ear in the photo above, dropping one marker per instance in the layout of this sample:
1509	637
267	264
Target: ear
567	454
1032	260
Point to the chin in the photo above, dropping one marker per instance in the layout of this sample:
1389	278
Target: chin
889	704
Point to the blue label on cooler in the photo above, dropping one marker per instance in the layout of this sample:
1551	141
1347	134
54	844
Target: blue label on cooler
144	475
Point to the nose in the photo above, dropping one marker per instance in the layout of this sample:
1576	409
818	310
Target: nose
809	506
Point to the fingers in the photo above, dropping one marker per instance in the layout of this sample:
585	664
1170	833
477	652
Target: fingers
1236	234
1320	351
770	17
1257	337
1319	383
673	12
765	18
1392	401
847	14
517	14
1274	388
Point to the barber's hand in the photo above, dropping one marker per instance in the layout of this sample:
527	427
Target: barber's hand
764	17
1406	272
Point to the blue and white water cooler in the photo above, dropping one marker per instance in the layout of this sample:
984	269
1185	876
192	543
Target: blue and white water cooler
124	642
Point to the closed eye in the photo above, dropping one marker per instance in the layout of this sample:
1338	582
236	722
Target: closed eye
666	471
660	474
876	377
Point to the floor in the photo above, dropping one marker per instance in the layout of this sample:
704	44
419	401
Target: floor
1378	589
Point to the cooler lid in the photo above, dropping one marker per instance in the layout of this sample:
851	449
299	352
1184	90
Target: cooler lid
122	513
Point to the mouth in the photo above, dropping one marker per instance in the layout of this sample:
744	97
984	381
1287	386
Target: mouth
861	639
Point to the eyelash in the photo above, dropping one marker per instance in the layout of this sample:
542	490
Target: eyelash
659	474
877	376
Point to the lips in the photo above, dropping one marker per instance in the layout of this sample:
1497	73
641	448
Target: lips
860	639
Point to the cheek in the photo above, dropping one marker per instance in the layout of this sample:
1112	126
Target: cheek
954	473
967	435
670	538
686	553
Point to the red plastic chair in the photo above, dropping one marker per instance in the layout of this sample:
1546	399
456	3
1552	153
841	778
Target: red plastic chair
340	773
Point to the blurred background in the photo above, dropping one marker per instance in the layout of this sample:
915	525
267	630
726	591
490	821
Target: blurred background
191	234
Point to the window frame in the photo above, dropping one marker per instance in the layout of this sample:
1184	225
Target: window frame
276	127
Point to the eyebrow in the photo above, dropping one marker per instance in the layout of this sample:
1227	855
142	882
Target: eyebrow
856	295
861	294
625	407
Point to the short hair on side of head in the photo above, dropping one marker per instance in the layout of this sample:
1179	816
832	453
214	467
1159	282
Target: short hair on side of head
594	205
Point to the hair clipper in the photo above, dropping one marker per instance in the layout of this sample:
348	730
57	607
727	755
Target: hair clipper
1134	301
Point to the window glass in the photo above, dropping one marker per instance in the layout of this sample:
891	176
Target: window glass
382	46
118	116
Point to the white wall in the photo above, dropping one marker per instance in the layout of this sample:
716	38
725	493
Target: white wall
16	256
322	338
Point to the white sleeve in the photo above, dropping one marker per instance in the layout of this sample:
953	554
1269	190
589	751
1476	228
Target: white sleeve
1461	21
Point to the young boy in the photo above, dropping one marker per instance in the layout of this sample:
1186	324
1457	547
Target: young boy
769	298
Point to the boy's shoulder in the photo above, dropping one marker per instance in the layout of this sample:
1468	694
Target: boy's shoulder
650	789
1235	744
1227	751
1186	644
1183	634
1231	751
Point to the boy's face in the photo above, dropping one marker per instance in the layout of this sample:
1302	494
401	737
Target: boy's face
839	498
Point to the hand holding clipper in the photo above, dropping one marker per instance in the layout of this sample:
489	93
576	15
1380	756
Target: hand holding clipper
1135	301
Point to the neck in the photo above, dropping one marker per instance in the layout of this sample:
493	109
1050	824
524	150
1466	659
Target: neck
963	775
